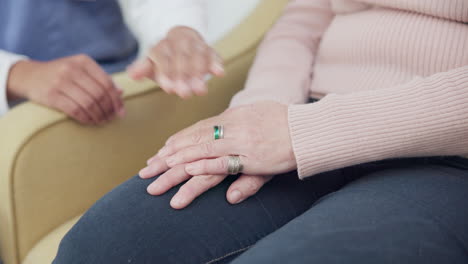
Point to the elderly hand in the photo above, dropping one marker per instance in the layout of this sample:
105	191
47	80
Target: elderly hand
75	85
179	63
258	134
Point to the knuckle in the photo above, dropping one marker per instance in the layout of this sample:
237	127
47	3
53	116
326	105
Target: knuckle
75	111
66	69
108	84
101	97
90	105
196	137
202	166
207	149
53	91
57	83
222	164
81	58
208	181
171	148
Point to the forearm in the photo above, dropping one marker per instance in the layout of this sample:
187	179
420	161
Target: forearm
283	66
426	117
7	60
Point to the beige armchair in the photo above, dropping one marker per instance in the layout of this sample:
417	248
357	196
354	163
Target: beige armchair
52	169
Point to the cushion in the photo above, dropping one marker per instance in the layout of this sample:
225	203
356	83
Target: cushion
46	249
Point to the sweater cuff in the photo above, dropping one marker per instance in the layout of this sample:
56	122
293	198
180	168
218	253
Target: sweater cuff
7	60
309	133
426	117
334	133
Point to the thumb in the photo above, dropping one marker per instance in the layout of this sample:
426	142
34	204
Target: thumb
141	68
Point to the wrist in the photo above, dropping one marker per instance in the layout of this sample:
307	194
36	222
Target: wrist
16	83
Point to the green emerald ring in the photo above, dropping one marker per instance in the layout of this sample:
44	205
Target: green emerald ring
218	132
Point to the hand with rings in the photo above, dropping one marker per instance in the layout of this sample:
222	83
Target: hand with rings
252	141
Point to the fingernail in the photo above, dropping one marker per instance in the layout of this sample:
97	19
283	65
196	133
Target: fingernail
177	202
154	188
143	171
171	161
235	196
191	168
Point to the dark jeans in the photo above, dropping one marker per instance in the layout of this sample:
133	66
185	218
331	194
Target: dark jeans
397	211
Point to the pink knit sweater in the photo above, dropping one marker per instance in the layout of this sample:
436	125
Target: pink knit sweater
394	74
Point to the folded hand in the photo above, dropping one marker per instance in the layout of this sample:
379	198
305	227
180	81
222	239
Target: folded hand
257	133
75	85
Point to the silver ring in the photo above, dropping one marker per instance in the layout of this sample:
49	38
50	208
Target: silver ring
221	132
234	165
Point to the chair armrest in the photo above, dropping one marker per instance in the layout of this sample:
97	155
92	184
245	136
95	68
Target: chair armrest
52	169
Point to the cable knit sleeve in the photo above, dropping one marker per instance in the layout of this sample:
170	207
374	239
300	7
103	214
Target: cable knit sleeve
425	117
282	69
